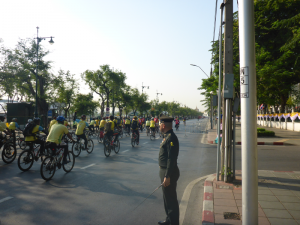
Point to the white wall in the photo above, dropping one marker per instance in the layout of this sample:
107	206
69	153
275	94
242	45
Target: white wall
277	124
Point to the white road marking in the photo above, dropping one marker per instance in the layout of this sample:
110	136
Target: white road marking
5	199
88	166
126	150
186	196
145	143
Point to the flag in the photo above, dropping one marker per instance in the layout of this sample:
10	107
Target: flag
261	107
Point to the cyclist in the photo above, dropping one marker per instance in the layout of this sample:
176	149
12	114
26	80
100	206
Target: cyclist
127	124
109	128
80	130
4	129
33	139
12	128
140	123
102	124
152	126
135	128
120	124
97	123
91	125
148	124
184	121
55	136
52	122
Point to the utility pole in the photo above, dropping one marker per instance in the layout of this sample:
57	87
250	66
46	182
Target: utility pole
248	112
227	101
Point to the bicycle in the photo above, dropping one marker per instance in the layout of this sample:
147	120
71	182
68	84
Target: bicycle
110	144
134	139
152	135
121	132
127	131
49	164
100	136
79	145
148	131
9	151
27	157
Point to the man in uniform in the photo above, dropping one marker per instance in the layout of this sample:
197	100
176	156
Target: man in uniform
169	172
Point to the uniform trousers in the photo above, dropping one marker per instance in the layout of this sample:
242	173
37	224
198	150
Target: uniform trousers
170	196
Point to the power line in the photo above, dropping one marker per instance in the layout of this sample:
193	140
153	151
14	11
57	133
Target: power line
214	35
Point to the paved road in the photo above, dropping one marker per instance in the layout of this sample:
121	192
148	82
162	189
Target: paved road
102	190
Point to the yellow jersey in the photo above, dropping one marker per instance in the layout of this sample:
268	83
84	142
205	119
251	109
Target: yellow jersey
2	126
56	133
102	123
152	123
52	123
127	122
80	127
34	130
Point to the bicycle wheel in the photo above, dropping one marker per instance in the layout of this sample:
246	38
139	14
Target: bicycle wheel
9	153
152	137
76	148
48	168
69	166
25	160
22	144
117	147
106	149
121	134
90	146
132	142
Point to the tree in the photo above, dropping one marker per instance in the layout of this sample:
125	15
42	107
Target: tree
84	104
20	73
66	90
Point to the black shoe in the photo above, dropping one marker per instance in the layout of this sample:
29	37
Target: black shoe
164	222
65	162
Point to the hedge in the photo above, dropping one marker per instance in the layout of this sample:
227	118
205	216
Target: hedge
265	133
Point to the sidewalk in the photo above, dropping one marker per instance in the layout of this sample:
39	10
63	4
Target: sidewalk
282	137
278	199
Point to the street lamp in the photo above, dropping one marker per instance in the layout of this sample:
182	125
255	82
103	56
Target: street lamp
38	40
144	87
157	95
200	69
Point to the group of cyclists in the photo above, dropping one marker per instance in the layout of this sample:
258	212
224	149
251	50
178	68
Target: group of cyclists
57	133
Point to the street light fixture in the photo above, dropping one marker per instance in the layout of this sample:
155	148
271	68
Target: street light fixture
144	87
157	95
38	40
200	69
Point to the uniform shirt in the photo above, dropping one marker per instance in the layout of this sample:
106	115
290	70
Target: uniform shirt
137	127
56	133
92	122
35	130
80	127
13	126
168	153
147	123
127	122
102	123
2	126
152	123
52	123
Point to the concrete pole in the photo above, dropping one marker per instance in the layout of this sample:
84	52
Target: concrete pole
226	135
219	98
248	106
285	111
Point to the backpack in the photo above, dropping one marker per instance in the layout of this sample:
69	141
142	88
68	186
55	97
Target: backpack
134	124
108	126
28	129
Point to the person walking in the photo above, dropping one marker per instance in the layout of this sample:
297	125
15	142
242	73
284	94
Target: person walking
169	171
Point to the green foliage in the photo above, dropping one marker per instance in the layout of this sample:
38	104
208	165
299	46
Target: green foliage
265	133
84	104
260	129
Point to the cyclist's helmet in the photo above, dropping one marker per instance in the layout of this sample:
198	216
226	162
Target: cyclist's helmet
60	119
83	116
14	119
135	117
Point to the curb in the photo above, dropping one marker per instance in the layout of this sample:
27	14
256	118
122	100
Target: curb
258	143
208	202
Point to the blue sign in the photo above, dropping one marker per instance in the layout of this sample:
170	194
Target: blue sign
50	113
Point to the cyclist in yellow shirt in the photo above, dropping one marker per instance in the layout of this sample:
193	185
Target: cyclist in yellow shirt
97	123
152	126
55	135
91	125
32	138
52	122
80	130
135	128
102	124
127	124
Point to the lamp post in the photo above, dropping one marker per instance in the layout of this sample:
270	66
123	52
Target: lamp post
157	95
38	40
144	87
211	108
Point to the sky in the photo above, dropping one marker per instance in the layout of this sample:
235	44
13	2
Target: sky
153	42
